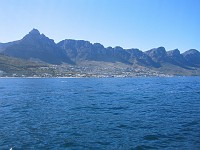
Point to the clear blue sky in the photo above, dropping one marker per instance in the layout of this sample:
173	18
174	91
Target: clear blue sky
142	24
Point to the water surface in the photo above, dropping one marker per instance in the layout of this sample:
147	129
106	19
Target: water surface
109	113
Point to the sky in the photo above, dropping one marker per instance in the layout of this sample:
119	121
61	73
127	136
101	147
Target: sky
142	24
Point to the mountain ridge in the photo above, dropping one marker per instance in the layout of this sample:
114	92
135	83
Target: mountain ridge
37	47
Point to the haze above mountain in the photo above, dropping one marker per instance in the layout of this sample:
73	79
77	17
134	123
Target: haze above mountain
37	47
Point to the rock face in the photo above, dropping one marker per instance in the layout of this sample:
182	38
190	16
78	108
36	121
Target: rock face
176	58
192	57
158	54
39	47
80	50
140	58
36	46
3	46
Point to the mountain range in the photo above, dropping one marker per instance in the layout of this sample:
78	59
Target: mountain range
39	48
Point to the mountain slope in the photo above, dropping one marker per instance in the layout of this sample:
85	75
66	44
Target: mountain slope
192	57
176	58
3	46
158	55
10	66
80	50
37	46
140	58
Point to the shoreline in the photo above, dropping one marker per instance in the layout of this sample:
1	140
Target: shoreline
36	77
92	77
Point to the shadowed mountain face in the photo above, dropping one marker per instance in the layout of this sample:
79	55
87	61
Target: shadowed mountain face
36	46
80	50
176	58
158	54
140	58
192	57
3	46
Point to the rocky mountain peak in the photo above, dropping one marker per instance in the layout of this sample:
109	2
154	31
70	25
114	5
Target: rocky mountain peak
174	52
192	56
38	46
157	54
34	32
191	52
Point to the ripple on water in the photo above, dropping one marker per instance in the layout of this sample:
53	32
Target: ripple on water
136	114
69	144
144	147
151	137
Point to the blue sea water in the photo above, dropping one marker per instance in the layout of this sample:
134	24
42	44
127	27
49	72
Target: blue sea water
107	113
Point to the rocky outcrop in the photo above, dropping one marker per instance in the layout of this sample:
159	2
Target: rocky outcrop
192	57
37	46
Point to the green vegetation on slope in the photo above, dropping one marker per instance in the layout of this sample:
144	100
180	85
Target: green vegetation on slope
10	66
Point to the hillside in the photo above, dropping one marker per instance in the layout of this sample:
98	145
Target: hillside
28	55
15	67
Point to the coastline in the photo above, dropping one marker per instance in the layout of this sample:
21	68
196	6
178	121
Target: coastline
93	77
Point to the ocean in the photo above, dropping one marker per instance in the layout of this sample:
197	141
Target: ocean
100	113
